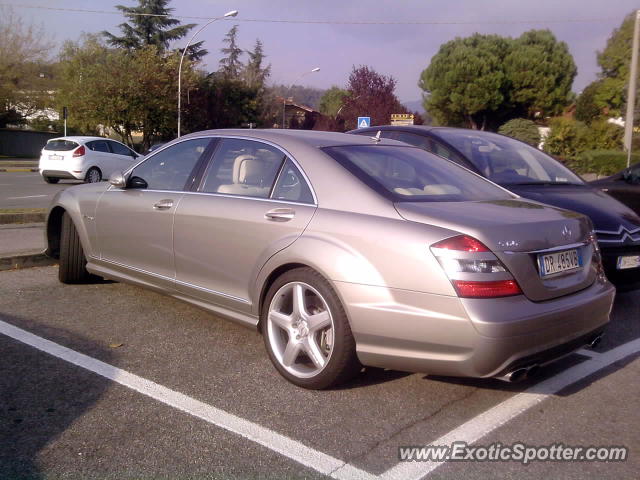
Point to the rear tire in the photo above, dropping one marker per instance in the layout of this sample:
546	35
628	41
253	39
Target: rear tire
51	179
72	263
94	175
318	333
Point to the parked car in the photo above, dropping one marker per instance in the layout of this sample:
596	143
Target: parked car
90	159
624	186
343	251
533	174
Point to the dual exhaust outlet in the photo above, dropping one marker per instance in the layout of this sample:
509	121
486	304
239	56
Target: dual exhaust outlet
522	373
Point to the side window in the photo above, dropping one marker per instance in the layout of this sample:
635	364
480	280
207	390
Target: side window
98	146
243	167
443	151
120	149
291	185
169	169
413	139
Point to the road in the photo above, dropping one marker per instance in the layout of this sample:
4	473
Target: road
28	190
151	387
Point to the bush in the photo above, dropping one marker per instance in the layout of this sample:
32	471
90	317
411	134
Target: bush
602	162
569	138
521	129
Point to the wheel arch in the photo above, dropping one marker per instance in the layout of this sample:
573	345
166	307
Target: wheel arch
54	231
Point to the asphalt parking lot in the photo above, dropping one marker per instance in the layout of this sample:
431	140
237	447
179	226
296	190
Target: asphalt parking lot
149	387
28	190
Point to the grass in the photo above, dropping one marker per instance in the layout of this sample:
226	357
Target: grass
22	210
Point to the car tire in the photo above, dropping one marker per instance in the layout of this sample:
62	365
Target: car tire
333	345
94	175
72	265
51	179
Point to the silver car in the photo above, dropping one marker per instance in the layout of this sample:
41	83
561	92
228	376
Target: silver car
343	251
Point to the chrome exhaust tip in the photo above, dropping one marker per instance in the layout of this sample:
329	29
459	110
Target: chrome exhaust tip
595	342
514	376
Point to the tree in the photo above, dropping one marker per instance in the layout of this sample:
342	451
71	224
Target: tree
255	74
111	88
230	64
370	94
540	71
332	101
23	58
465	83
521	129
158	30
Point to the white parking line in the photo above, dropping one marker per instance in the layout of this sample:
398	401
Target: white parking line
495	417
28	196
285	446
470	432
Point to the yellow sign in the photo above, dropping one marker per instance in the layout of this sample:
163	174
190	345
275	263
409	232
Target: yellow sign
402	119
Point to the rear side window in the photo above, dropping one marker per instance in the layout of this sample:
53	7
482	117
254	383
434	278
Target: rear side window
291	185
412	175
60	145
120	149
99	146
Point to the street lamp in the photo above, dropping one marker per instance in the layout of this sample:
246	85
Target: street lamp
231	13
284	97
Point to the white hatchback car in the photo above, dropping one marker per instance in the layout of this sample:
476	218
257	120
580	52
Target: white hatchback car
84	158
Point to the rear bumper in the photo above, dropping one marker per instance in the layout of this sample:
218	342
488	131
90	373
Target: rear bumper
440	335
61	174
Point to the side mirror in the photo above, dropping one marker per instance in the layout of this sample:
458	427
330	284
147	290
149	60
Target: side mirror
117	180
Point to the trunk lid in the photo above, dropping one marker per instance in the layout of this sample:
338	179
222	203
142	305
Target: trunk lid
518	231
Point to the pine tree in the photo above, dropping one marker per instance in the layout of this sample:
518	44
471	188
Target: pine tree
231	65
159	30
254	74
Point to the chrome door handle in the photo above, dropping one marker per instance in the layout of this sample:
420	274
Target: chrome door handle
280	214
163	205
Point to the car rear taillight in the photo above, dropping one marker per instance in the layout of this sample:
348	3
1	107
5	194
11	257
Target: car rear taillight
79	152
473	269
597	256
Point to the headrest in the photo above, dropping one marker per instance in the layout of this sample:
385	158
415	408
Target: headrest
248	170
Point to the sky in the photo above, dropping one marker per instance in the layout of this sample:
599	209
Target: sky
402	51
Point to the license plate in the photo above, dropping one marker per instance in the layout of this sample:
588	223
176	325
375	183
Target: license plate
628	261
55	157
558	262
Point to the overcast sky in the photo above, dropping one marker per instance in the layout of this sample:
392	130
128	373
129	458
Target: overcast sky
399	50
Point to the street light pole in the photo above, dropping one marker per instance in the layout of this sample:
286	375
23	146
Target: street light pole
631	95
232	13
284	97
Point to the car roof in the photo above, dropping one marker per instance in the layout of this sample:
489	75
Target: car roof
313	138
81	138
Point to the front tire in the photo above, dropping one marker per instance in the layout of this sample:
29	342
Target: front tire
72	265
306	331
51	179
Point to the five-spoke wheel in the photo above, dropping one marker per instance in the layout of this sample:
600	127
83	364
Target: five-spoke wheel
306	331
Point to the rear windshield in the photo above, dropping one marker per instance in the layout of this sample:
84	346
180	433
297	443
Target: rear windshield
60	145
412	175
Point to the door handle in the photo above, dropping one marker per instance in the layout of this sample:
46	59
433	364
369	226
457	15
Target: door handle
280	214
163	205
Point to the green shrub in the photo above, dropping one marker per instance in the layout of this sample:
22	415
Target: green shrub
602	162
569	138
521	129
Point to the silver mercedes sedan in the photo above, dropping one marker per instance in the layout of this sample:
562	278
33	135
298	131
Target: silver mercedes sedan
343	251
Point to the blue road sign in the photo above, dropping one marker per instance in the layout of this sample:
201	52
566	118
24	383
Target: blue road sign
364	122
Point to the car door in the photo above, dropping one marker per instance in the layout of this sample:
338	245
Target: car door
99	155
253	201
135	224
121	157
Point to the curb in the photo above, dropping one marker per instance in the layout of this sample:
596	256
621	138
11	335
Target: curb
28	260
8	170
7	218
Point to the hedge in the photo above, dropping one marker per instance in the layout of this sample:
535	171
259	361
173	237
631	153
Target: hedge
602	162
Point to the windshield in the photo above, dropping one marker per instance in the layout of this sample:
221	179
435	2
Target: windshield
60	145
412	175
507	161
